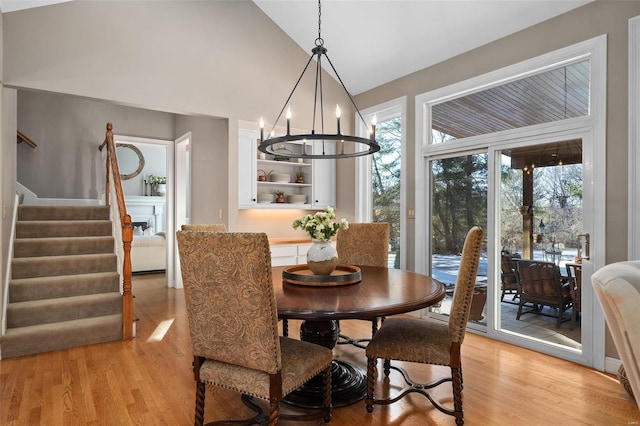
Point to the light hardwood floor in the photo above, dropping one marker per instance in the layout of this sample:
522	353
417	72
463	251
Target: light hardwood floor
148	381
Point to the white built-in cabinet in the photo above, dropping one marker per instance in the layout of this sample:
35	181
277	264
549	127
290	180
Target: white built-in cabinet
319	187
289	254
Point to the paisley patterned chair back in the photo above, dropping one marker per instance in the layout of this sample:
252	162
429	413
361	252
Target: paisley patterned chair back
230	300
364	244
465	284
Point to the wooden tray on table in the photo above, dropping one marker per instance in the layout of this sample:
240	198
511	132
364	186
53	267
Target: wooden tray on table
342	275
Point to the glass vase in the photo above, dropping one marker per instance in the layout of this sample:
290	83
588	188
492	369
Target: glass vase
322	257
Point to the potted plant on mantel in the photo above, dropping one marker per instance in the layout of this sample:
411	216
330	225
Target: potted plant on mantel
159	185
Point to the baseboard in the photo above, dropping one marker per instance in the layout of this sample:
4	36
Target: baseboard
611	365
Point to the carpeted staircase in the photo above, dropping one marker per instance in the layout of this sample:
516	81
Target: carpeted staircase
64	290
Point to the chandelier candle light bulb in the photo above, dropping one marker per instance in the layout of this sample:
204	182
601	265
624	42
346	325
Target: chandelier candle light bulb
261	128
374	121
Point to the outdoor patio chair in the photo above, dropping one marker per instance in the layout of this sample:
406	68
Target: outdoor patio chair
509	275
541	285
574	272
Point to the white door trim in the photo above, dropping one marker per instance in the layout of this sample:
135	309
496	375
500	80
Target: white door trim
182	180
634	140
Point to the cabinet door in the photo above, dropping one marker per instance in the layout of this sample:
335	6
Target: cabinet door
324	178
247	177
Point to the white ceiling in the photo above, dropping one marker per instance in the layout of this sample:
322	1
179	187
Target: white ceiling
13	5
372	42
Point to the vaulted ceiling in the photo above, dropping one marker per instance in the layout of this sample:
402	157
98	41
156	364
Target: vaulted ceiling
372	42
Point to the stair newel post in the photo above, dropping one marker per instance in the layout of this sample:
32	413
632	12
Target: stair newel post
127	296
108	137
127	232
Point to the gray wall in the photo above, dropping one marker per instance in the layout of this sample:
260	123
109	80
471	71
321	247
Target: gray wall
68	131
600	17
209	166
222	59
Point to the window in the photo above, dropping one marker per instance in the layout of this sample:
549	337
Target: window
378	177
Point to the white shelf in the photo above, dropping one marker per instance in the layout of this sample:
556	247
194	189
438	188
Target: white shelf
291	184
275	205
288	163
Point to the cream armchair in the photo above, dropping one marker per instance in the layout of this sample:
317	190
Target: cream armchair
617	287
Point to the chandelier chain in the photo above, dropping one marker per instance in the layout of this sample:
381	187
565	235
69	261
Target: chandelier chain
268	145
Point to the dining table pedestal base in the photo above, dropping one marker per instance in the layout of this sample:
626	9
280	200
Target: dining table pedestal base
348	382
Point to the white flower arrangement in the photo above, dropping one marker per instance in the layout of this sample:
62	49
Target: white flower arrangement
156	180
322	225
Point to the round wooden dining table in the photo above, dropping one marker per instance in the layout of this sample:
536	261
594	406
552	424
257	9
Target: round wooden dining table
381	292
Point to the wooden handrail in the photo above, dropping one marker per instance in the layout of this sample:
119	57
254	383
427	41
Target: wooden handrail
24	138
127	230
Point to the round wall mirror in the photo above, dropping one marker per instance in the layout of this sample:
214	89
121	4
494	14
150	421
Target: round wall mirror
130	160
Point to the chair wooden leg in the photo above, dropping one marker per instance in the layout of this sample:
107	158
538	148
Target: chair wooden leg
285	328
274	413
387	367
456	376
371	381
326	394
200	390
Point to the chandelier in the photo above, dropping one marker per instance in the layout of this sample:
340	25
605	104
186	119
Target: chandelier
363	146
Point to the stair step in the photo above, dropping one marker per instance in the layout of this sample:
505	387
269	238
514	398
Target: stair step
59	246
24	289
30	267
62	228
61	335
65	286
72	213
33	312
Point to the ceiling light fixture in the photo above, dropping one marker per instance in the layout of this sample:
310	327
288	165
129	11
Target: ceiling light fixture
273	143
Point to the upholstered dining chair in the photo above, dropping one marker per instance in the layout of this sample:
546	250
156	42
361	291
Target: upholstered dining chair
210	227
541	285
365	244
428	341
232	316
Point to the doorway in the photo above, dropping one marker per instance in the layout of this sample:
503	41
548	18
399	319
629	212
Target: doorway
540	210
501	114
